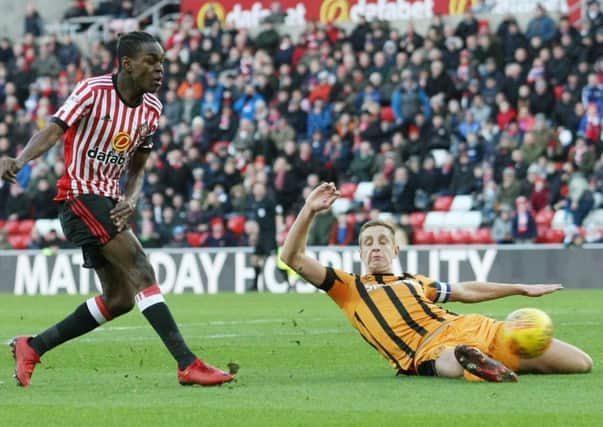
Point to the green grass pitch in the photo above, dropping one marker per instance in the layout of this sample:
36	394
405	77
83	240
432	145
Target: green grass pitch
301	365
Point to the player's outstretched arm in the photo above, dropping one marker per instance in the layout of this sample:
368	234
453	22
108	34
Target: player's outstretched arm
294	248
483	291
125	207
38	144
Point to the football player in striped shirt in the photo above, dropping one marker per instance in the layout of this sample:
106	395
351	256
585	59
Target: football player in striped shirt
107	124
398	315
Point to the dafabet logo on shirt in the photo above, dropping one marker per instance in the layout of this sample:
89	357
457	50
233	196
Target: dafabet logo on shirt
121	142
119	145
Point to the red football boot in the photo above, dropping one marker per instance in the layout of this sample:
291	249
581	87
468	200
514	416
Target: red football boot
201	373
26	359
483	366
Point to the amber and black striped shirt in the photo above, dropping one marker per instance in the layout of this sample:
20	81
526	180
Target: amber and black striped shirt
392	313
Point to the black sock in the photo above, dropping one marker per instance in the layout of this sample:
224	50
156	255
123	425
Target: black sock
80	322
256	277
161	319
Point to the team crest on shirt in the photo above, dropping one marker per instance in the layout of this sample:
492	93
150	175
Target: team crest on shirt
143	131
121	142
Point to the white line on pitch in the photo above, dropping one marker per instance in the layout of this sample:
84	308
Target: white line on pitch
188	337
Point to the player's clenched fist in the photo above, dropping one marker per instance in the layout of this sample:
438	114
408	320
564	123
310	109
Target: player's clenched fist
9	168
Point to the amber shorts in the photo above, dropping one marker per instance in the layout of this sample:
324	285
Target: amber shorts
471	329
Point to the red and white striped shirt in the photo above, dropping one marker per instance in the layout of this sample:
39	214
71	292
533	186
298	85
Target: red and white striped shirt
102	133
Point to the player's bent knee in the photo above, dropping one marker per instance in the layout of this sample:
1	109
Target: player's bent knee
120	304
580	362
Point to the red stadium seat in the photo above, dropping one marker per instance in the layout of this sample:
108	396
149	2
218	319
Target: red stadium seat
196	239
422	237
544	218
554	235
11	226
19	241
417	219
443	203
442	237
541	238
26	225
348	189
460	237
236	224
482	236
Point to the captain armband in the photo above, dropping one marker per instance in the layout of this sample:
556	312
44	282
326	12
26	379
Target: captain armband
443	290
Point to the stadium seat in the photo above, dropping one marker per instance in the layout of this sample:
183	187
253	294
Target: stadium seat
19	241
482	236
541	237
435	221
442	203
341	205
196	239
544	217
236	224
594	218
462	203
422	237
11	226
43	226
417	219
561	219
26	225
442	237
348	189
470	220
460	237
554	235
453	220
364	191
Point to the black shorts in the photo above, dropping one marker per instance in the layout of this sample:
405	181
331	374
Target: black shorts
87	223
265	245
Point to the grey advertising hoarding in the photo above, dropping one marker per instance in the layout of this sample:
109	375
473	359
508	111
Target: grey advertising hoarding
213	271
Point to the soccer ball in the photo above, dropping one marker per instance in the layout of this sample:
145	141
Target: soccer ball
528	332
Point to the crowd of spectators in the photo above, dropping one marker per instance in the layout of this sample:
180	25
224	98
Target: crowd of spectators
251	124
117	9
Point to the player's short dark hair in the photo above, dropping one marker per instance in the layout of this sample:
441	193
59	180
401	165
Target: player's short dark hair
129	44
376	223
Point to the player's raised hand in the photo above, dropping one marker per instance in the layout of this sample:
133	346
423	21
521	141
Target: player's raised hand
121	213
322	197
9	168
537	290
